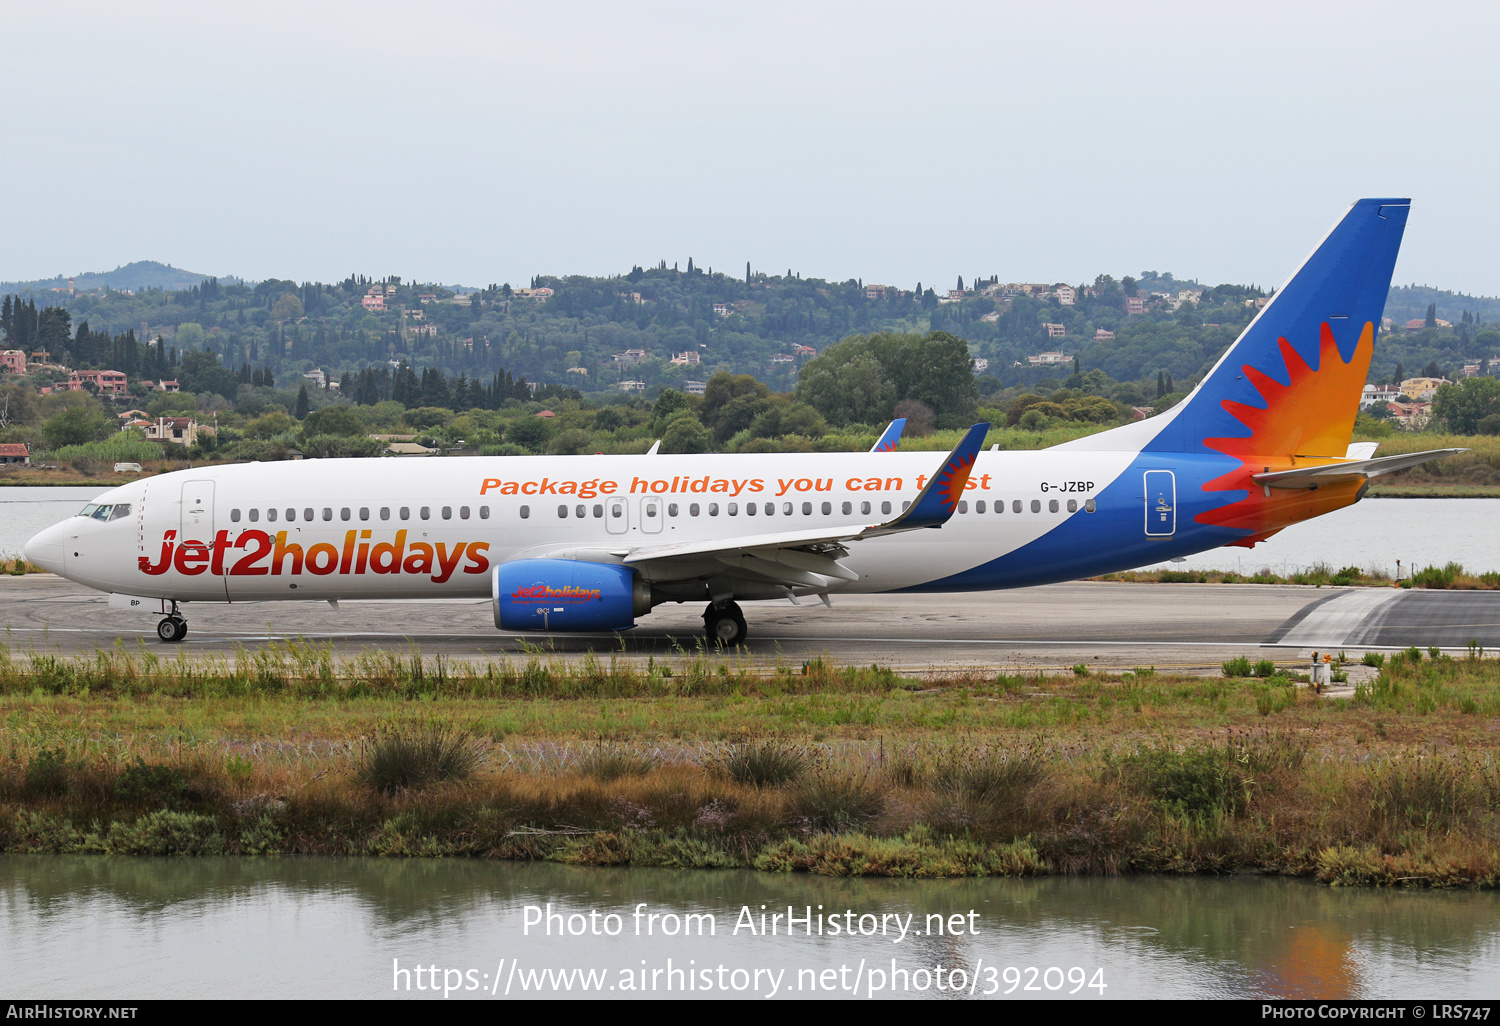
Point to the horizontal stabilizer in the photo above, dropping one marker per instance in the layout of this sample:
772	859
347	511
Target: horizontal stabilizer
1312	477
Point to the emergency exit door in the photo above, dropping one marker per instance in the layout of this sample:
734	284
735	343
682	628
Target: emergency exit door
1161	503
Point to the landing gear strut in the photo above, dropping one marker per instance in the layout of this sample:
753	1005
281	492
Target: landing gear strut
724	624
172	628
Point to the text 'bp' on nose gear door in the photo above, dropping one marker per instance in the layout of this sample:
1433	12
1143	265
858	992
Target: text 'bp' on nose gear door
1161	503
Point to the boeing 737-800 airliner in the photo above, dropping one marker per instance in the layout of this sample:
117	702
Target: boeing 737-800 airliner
590	543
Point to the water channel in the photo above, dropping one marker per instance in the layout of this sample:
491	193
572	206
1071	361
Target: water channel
85	926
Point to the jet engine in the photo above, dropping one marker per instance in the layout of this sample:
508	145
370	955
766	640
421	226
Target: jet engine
567	595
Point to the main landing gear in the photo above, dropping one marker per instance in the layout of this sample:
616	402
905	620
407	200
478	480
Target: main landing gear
724	624
172	628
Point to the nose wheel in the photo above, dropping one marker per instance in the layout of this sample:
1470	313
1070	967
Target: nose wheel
172	629
724	624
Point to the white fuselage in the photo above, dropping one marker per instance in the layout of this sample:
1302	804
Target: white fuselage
414	528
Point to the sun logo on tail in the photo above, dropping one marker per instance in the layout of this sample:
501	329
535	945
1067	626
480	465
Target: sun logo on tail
952	479
1309	419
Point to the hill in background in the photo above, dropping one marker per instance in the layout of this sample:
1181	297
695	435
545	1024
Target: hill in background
135	276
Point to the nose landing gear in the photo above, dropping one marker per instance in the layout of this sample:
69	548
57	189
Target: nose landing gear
172	628
724	624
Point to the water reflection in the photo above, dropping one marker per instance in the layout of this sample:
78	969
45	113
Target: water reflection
330	927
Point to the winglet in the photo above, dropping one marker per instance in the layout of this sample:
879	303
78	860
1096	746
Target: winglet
938	499
891	437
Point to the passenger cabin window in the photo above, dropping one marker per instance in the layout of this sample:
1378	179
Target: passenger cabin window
385	512
447	512
327	513
364	512
885	507
979	506
749	509
1051	505
693	510
1072	505
463	512
484	513
234	516
1088	505
807	509
344	513
827	508
671	509
1015	507
963	506
733	509
864	509
525	512
1036	505
562	512
598	510
770	508
426	512
254	515
271	514
713	509
405	512
848	508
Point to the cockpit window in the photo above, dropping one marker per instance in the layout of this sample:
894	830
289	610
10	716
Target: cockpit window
103	511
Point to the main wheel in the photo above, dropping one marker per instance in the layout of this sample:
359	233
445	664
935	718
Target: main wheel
172	629
725	625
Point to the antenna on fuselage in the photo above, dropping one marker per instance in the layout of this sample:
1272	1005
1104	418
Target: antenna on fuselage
654	446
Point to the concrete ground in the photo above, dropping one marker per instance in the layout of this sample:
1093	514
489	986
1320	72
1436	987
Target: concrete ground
1180	627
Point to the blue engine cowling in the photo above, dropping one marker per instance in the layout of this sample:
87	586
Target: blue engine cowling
567	595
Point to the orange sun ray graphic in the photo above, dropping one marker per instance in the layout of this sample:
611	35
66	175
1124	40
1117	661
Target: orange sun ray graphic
952	479
1308	421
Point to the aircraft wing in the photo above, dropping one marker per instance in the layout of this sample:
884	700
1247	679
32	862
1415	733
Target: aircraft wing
890	437
804	557
1312	477
808	557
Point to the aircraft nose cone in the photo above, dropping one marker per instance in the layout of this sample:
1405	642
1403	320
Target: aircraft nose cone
46	550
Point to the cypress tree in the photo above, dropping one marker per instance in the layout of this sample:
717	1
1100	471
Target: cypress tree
304	405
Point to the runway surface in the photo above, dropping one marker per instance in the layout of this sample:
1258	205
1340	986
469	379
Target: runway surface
1107	625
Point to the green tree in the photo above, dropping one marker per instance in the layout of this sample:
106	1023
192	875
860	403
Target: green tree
532	433
338	421
1467	403
860	379
77	425
303	402
685	434
287	308
732	401
669	406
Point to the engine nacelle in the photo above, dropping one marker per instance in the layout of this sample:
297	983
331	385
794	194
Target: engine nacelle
567	595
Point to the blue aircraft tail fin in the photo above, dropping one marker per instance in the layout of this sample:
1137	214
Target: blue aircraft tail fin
890	437
1290	384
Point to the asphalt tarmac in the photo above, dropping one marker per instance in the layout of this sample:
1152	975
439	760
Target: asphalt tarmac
1183	627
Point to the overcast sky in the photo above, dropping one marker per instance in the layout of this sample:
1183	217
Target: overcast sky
487	142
